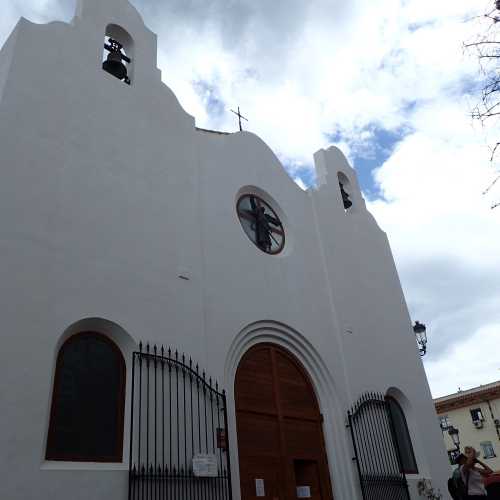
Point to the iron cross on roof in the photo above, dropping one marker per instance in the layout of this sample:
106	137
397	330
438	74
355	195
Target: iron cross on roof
240	116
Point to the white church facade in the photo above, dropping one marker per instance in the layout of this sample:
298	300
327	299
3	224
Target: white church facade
142	259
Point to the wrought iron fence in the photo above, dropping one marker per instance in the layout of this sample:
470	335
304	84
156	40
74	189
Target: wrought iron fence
376	453
178	430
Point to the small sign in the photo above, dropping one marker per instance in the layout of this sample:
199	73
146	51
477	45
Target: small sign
260	491
221	439
303	492
205	465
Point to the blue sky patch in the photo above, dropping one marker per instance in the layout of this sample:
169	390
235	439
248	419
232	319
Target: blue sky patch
209	93
370	152
379	148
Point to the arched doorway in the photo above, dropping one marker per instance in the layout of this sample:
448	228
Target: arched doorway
280	438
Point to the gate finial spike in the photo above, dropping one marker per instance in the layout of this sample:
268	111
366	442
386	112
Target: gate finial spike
176	354
196	367
216	386
183	359
169	352
147	347
190	362
140	346
162	351
154	349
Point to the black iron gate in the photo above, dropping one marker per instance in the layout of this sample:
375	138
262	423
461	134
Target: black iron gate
178	430
376	452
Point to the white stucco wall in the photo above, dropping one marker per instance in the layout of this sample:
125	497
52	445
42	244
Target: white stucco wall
108	193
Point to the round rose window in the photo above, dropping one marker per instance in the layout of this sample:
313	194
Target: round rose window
261	223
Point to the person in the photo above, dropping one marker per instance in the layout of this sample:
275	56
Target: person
456	487
472	476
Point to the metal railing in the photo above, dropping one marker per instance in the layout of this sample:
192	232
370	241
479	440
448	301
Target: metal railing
178	430
376	453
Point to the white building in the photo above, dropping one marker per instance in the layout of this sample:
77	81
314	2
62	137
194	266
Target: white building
122	222
475	413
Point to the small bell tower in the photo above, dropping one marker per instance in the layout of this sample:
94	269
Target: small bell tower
130	48
345	196
114	63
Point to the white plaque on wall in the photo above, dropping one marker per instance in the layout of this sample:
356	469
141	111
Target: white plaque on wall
303	492
205	465
260	491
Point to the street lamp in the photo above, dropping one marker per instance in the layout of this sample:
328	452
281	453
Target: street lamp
453	432
421	335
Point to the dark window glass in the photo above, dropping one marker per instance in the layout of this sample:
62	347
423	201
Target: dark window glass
452	456
86	422
402	437
477	415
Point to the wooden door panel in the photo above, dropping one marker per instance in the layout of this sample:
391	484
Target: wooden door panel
280	437
303	438
296	397
261	479
255	383
258	435
307	477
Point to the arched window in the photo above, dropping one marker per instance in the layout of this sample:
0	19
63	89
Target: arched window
402	437
86	420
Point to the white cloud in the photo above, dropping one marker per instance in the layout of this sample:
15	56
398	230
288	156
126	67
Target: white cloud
303	71
473	363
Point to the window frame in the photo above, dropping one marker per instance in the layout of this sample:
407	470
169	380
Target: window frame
278	230
479	411
117	456
452	456
389	400
489	444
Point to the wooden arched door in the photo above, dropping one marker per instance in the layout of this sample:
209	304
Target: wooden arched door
280	438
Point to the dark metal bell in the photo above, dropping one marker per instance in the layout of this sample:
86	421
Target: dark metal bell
114	65
345	196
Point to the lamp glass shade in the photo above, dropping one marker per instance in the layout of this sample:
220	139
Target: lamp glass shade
454	435
420	333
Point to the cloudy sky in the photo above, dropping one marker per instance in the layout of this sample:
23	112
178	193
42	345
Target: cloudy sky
389	83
